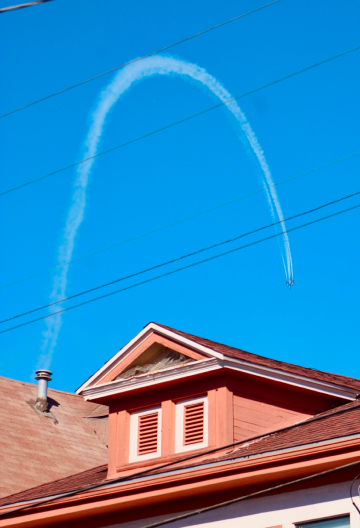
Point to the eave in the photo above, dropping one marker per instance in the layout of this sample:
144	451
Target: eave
111	389
181	483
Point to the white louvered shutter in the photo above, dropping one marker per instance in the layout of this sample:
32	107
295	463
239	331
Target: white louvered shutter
191	424
145	434
194	423
148	433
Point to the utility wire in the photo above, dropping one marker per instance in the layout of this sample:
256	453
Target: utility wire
180	269
180	258
165	226
351	494
250	496
136	60
183	120
21	6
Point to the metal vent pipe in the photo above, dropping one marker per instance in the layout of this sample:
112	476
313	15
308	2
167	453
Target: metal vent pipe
43	377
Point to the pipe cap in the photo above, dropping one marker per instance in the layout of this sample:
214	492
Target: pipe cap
43	374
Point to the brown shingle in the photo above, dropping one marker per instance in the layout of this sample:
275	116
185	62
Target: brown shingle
33	449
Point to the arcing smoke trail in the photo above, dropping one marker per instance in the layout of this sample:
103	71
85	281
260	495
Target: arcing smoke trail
156	65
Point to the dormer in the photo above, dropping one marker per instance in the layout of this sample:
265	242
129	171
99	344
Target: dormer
171	395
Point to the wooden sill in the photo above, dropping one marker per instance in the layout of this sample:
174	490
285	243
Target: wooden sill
160	460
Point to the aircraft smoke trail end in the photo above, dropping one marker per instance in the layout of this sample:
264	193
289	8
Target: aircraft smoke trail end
121	82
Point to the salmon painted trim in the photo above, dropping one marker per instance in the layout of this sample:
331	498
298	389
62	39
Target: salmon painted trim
211	477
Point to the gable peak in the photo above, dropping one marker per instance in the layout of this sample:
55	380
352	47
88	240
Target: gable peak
155	358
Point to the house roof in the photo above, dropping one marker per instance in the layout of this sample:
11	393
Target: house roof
330	425
237	353
33	450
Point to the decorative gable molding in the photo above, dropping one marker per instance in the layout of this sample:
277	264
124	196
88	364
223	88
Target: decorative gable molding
147	380
137	341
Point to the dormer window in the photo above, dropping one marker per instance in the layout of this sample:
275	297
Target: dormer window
145	434
191	424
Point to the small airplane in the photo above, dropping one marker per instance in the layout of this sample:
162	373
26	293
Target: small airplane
289	283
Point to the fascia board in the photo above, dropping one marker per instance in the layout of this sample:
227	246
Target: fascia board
136	341
239	464
291	379
147	380
208	365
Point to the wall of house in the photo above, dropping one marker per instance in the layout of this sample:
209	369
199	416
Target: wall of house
252	418
279	511
261	406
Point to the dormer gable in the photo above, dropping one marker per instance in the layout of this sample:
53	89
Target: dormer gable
170	393
153	354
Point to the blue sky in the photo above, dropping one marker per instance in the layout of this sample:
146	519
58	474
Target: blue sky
301	123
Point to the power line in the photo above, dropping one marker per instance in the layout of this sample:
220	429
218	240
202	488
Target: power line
182	257
21	6
136	60
188	266
249	496
165	226
183	120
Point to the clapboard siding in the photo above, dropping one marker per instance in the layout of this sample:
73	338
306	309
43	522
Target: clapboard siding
252	417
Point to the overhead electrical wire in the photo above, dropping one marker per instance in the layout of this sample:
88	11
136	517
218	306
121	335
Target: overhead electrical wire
21	6
351	493
188	266
164	48
213	507
175	123
175	222
188	255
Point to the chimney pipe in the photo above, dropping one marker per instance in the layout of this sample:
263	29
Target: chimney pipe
43	376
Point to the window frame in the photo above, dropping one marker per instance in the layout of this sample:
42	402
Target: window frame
305	524
134	434
179	424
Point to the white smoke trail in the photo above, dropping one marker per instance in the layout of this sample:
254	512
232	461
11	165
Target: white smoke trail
123	80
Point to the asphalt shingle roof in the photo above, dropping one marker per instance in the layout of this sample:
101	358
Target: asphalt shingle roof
237	353
33	450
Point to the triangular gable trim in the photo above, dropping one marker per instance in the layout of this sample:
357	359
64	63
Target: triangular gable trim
135	342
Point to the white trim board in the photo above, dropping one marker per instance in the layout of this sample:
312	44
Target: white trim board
135	342
207	365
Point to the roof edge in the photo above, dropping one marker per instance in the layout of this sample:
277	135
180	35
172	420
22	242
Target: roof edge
277	374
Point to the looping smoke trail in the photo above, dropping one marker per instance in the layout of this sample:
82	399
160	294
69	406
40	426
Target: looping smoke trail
123	80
